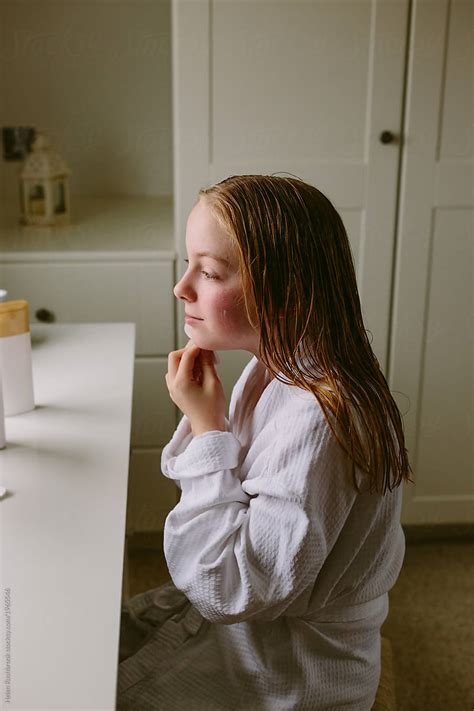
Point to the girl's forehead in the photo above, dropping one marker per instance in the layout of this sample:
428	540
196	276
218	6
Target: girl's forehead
204	234
202	219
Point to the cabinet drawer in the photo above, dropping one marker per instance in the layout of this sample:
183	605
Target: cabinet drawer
86	292
154	413
151	496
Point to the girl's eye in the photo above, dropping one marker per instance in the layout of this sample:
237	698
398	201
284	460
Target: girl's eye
207	275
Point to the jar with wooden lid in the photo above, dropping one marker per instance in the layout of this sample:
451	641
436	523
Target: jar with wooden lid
16	369
2	417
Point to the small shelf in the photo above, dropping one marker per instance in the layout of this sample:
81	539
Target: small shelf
122	225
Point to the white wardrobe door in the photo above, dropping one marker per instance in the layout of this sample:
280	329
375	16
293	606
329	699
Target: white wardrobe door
303	88
432	349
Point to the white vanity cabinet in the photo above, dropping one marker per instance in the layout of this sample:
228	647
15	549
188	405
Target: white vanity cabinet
115	263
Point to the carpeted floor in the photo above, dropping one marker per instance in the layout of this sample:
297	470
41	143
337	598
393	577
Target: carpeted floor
430	623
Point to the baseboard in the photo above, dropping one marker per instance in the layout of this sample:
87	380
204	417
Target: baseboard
439	533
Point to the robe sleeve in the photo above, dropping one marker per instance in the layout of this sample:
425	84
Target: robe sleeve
181	438
243	550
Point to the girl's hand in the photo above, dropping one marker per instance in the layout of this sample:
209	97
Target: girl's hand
195	387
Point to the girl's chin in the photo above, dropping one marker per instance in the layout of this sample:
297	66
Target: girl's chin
199	339
207	342
188	330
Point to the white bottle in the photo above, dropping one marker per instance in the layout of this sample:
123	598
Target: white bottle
15	358
2	418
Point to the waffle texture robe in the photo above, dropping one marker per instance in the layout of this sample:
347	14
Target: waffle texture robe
280	569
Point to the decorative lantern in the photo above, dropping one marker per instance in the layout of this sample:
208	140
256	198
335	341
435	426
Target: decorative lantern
44	190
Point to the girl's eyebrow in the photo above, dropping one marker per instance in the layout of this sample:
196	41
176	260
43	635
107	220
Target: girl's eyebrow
213	256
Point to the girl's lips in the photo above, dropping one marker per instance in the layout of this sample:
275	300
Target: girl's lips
188	318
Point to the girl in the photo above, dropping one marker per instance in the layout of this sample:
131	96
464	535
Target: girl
287	537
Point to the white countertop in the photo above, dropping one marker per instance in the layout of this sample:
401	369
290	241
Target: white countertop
62	522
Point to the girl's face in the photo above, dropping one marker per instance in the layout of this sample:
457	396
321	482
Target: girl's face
215	312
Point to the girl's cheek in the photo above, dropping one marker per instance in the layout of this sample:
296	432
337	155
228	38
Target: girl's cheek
231	314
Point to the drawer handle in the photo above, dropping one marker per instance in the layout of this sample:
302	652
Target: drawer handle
45	316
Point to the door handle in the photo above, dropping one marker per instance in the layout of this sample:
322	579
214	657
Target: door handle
388	137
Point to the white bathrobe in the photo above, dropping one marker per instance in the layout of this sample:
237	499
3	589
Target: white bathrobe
280	569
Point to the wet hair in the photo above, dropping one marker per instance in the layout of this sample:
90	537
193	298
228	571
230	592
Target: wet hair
300	293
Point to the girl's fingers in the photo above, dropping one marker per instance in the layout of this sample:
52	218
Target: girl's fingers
190	366
188	361
208	359
173	363
174	358
208	368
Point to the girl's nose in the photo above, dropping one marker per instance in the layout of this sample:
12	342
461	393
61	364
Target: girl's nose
183	290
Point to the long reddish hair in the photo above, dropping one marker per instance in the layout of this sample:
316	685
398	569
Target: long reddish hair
300	292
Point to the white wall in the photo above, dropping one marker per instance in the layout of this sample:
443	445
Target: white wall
96	76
